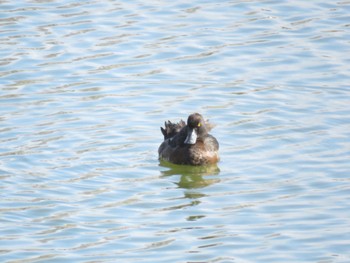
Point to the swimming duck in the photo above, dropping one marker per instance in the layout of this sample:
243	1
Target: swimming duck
190	143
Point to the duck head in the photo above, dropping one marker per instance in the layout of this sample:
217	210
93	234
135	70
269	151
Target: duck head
195	128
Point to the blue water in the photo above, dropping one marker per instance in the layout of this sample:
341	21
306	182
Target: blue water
85	86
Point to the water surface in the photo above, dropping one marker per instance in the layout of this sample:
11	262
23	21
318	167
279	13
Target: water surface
85	86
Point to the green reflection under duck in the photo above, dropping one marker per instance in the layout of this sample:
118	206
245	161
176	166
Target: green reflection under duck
192	176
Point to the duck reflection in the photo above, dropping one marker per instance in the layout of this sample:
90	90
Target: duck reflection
192	177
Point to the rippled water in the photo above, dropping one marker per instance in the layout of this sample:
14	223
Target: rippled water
85	86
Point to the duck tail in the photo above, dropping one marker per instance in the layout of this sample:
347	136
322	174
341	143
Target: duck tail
171	129
209	125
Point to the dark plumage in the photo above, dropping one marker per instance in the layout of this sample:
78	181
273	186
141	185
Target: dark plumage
189	143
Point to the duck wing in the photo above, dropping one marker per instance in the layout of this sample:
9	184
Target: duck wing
171	129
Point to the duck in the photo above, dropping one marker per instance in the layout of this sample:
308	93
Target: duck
189	143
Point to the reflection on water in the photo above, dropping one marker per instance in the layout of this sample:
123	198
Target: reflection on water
85	86
192	176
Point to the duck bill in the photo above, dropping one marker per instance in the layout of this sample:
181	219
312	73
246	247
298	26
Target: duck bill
191	137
